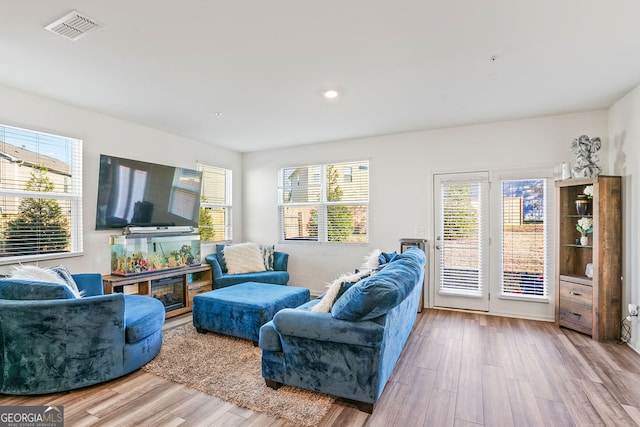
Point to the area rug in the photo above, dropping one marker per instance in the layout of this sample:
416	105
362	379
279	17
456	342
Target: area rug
230	369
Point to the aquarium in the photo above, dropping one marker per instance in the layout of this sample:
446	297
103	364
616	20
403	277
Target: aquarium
146	253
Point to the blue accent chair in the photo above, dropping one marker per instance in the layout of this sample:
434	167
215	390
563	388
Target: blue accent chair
351	351
222	279
51	341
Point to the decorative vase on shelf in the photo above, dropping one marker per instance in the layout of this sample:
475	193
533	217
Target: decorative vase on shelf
584	240
583	204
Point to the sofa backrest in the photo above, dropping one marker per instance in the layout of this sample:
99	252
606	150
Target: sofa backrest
377	294
277	260
17	289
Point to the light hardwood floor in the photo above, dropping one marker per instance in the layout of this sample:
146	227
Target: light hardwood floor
457	369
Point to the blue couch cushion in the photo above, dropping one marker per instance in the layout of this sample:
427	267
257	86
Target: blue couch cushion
386	257
269	277
143	316
17	289
376	295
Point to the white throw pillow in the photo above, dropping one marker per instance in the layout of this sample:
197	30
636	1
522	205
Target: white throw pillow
243	258
324	306
366	269
371	261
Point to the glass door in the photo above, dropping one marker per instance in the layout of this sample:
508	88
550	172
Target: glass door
462	241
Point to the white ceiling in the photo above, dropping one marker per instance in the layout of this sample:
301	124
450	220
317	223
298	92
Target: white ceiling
400	65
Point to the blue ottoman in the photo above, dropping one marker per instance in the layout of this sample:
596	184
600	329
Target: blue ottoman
241	310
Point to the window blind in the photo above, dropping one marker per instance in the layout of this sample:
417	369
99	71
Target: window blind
325	203
463	237
40	194
215	204
524	238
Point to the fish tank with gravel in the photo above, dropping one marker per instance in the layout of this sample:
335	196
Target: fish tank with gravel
140	254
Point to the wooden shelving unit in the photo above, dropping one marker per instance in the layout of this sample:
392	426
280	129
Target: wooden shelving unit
193	281
591	305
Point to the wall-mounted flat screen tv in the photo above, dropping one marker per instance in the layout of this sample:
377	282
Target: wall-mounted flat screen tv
137	193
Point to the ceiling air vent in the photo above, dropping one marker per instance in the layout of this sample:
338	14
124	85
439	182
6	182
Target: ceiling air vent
73	25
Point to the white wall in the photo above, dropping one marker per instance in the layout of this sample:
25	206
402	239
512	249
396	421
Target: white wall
103	134
624	135
401	172
401	166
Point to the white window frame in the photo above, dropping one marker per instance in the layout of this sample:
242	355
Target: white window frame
322	204
227	206
74	198
526	174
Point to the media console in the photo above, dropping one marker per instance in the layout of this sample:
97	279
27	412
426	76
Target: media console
174	288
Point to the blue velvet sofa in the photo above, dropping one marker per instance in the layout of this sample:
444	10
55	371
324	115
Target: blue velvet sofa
222	279
51	341
351	351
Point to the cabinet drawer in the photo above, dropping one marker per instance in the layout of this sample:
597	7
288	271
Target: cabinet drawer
195	290
576	307
576	293
576	317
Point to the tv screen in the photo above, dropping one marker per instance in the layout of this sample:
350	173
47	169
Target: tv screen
137	193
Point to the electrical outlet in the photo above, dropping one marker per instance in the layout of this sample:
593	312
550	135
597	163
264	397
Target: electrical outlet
633	309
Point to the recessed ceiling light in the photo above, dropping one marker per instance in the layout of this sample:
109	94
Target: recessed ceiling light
330	94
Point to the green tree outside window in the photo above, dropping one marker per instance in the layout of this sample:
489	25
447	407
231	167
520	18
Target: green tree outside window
39	222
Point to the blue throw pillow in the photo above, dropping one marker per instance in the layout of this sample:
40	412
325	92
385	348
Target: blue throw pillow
377	294
386	257
344	287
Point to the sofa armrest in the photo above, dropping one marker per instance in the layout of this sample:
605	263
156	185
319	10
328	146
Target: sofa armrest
216	270
90	283
280	261
323	327
268	338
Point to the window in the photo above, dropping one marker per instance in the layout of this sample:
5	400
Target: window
325	203
524	238
40	195
215	204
